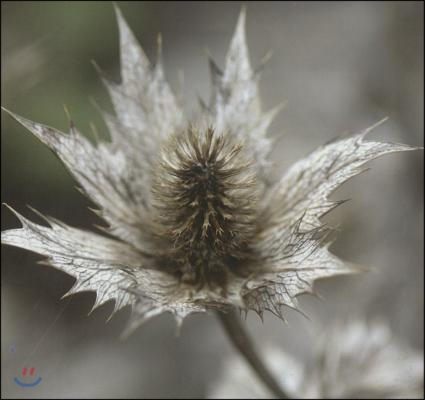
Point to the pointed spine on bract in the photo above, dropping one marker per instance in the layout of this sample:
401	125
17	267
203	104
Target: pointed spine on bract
205	200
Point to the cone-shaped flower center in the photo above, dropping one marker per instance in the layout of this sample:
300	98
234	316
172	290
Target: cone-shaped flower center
205	197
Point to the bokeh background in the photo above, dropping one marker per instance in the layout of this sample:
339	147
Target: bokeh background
341	66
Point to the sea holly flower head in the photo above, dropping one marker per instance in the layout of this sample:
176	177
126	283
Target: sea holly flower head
194	220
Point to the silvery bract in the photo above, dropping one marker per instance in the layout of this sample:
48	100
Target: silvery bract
352	360
197	223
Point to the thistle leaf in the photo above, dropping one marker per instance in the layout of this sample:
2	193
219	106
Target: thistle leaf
296	274
144	103
304	189
111	269
99	264
294	242
104	174
235	102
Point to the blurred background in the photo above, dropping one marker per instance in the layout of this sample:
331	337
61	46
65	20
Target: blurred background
341	66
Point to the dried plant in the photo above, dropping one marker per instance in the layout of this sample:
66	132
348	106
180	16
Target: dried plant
352	359
197	223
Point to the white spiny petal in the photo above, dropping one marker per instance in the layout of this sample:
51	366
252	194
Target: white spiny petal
235	103
99	264
104	174
293	240
305	187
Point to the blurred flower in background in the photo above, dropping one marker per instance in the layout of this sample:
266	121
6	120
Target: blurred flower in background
352	360
340	65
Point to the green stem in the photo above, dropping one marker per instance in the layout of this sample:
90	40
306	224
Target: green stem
238	335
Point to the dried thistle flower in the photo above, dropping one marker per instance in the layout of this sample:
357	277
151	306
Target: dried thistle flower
352	359
197	223
356	359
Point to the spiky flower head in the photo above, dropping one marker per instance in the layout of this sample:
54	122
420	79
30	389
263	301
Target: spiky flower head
197	221
204	199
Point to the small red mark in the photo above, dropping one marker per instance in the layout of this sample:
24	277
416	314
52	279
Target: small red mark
24	372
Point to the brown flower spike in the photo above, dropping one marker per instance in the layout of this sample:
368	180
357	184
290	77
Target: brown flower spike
197	223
